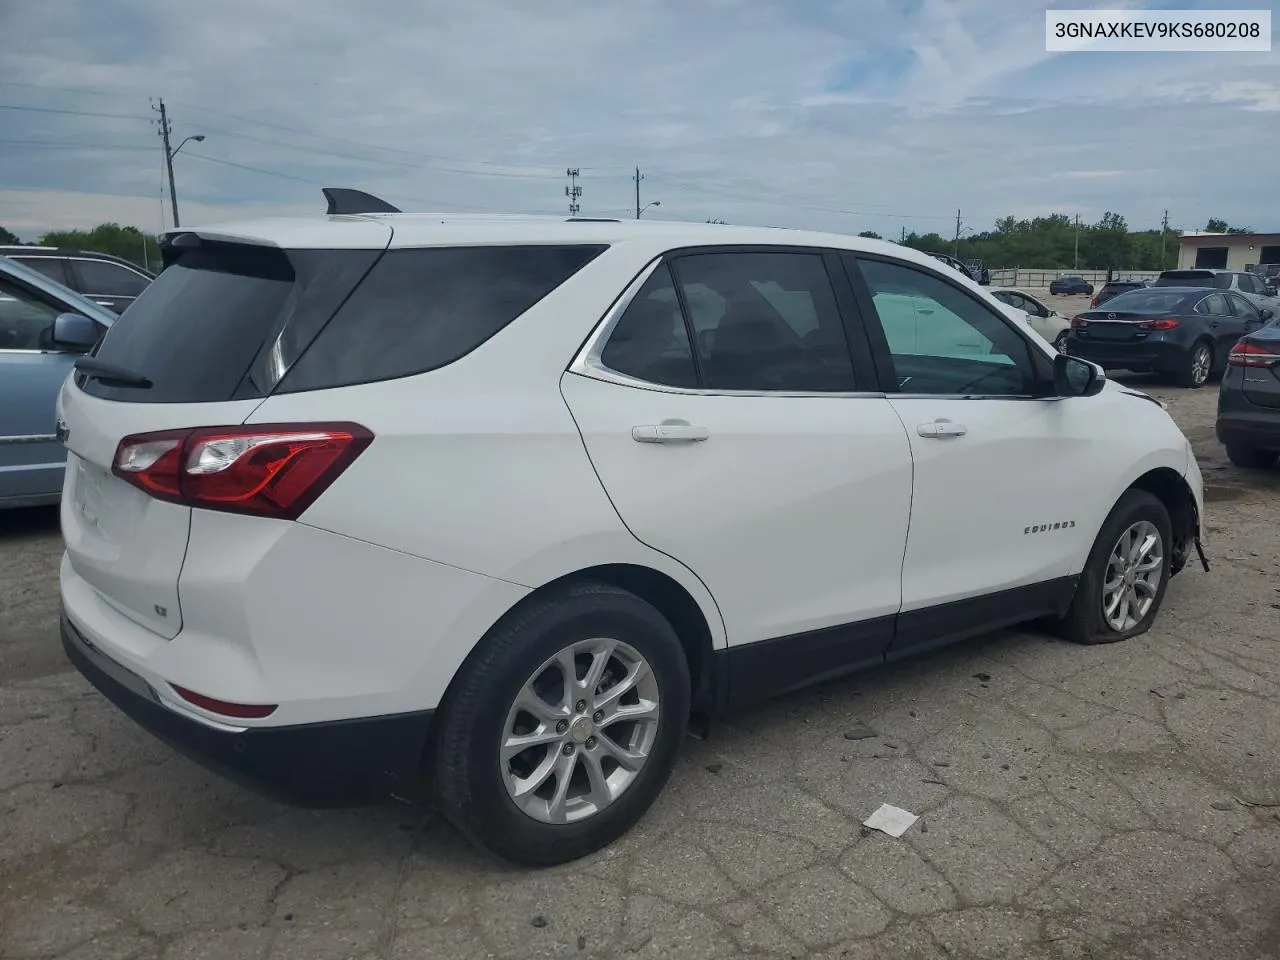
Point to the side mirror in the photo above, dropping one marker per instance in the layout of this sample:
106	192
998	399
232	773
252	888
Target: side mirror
74	331
1073	377
1266	313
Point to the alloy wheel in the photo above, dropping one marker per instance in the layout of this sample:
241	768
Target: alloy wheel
1200	360
580	731
1134	571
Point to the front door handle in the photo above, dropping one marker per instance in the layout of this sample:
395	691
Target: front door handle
669	433
941	429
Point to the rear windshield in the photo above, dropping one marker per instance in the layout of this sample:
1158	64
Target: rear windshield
1192	278
231	321
1145	300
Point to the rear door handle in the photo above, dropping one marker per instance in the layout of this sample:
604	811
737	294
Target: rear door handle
941	429
669	433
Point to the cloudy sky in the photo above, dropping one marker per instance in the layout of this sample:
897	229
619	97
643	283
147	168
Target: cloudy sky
833	114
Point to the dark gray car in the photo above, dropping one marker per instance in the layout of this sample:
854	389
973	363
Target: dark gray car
1249	400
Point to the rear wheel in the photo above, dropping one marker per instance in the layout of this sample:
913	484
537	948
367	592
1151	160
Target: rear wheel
1251	458
1124	579
1060	342
1196	366
563	727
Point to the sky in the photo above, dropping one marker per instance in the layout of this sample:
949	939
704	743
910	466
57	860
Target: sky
842	115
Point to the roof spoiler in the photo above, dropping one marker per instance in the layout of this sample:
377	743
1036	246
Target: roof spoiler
591	220
344	200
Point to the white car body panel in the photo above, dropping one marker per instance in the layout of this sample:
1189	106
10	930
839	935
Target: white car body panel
501	472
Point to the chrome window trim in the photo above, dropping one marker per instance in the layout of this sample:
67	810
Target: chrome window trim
23	351
588	362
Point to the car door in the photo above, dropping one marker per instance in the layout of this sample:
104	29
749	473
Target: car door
995	513
1224	326
1247	313
32	371
109	284
728	407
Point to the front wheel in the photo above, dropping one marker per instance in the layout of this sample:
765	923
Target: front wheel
1060	342
563	726
1251	458
1196	366
1124	579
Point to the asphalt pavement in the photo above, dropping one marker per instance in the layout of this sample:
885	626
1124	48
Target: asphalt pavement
1108	802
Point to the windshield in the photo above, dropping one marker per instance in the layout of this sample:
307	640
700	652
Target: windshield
1145	300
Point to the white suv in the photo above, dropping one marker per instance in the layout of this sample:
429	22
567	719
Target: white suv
500	504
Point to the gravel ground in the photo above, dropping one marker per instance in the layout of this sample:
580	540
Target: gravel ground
1121	801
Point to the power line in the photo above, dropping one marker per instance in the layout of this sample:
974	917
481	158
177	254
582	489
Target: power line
85	144
73	113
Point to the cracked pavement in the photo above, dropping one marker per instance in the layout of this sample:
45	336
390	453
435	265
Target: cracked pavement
1107	802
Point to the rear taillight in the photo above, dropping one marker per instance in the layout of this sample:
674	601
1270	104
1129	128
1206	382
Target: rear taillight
1165	324
1093	303
1079	322
269	470
1245	354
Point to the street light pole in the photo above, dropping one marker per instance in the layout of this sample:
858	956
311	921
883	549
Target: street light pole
169	154
651	203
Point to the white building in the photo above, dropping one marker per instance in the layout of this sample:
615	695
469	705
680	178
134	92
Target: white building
1227	251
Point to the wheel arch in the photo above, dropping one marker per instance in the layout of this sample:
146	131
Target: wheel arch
1171	488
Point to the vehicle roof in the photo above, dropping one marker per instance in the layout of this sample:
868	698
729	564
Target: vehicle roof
57	290
17	250
1177	291
370	231
1213	270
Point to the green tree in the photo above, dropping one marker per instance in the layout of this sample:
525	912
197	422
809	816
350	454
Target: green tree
870	235
1218	225
129	243
7	238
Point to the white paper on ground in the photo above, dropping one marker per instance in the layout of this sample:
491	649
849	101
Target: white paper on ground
891	820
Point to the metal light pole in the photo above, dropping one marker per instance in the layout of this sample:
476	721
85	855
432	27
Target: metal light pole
168	156
651	203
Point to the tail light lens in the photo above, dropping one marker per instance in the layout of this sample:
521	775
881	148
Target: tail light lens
1164	324
241	711
1093	302
1079	322
269	470
1246	354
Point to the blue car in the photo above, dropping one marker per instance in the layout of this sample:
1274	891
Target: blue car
44	327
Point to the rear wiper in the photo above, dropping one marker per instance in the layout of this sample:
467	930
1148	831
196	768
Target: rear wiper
110	374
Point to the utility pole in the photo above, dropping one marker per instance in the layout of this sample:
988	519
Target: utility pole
1077	241
638	177
957	247
904	234
1164	228
166	128
573	191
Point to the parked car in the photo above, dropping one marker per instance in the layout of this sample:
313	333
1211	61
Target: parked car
511	499
106	280
960	267
1049	323
35	358
1185	332
1248	423
1114	287
1063	286
1248	285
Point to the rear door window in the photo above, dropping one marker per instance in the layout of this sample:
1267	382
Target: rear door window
101	278
421	309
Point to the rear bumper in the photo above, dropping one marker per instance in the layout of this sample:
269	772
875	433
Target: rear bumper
1144	355
1258	430
335	764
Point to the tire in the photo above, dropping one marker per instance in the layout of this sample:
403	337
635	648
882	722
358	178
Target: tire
1252	458
1086	621
480	712
1060	342
1197	366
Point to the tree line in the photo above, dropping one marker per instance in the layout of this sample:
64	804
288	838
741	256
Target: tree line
1052	242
